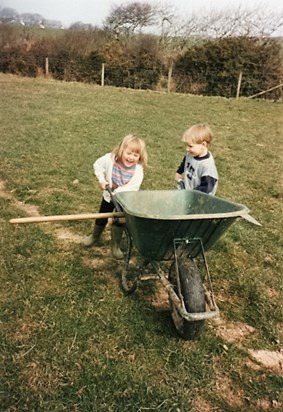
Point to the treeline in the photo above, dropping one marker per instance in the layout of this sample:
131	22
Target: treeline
207	66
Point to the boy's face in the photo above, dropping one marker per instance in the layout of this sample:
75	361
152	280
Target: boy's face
196	149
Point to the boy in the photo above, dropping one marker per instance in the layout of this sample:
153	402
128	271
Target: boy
197	170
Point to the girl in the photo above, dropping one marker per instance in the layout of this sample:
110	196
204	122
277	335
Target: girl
122	170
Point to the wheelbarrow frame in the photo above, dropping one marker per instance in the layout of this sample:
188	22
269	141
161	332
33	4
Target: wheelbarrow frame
191	320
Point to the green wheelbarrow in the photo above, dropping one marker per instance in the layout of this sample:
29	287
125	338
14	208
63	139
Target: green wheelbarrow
171	231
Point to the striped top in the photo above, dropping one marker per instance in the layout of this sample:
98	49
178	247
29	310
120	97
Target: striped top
121	174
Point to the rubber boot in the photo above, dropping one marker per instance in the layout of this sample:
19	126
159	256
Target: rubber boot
94	238
116	237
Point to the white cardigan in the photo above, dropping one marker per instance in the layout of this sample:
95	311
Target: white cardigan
103	171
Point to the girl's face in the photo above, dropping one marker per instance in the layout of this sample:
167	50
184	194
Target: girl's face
130	157
196	149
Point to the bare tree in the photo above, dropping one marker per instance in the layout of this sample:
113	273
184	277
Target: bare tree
234	22
172	43
166	17
129	18
263	22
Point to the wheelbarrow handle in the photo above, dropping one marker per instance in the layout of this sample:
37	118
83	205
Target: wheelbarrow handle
113	200
61	218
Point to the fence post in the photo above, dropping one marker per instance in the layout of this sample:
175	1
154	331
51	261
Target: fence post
102	74
239	85
46	67
169	77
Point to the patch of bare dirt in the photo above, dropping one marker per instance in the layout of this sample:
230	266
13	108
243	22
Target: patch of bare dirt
234	332
3	193
269	359
264	405
280	331
253	365
60	232
200	405
271	293
65	234
160	300
96	262
30	210
237	332
99	255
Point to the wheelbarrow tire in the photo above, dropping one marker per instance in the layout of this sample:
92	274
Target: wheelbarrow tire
194	299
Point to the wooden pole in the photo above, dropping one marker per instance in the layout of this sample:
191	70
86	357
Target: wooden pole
46	67
60	218
169	77
265	91
239	85
118	215
102	74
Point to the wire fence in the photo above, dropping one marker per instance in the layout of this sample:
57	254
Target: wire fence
159	78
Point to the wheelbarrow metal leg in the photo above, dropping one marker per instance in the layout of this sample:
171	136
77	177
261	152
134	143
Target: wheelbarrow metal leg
128	285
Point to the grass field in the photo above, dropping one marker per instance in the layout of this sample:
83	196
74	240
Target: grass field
70	339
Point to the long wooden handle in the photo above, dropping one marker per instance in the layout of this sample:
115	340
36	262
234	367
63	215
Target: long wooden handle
60	218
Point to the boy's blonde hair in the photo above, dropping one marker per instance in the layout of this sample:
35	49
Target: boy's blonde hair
136	144
198	134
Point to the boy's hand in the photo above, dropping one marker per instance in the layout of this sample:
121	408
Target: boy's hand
180	184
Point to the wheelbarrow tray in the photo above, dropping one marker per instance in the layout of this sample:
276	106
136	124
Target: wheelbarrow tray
154	218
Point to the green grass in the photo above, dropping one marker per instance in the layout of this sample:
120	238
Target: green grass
70	340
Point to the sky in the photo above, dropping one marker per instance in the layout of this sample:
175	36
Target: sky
95	11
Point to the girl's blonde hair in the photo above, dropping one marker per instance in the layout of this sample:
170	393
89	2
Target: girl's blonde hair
136	144
198	134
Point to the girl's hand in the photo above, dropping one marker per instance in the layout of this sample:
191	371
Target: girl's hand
103	184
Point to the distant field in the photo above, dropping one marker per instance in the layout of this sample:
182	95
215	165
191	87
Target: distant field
70	340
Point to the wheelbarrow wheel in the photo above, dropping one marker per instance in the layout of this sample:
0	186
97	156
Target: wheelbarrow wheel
193	295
